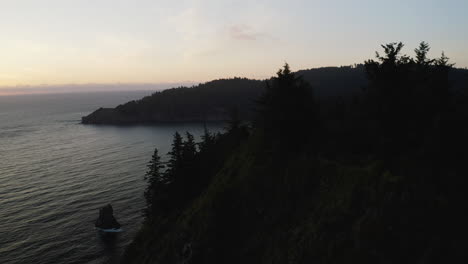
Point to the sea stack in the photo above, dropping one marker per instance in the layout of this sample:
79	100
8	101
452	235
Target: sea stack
106	218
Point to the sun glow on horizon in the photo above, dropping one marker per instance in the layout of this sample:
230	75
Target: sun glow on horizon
56	42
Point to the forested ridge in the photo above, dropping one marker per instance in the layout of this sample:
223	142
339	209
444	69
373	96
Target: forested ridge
374	178
213	101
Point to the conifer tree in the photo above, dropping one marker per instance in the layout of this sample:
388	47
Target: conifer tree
441	82
189	148
288	111
175	156
421	54
406	94
234	122
207	139
156	181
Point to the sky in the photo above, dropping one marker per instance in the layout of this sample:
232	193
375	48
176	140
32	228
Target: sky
79	42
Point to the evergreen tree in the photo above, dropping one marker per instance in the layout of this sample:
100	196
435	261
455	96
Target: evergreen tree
156	182
288	112
175	156
234	122
189	148
421	54
443	61
207	138
441	82
405	95
182	171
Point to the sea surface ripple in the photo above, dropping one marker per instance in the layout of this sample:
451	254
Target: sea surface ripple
55	174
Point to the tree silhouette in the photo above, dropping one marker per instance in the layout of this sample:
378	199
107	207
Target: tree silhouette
189	148
392	53
207	138
157	182
421	54
405	94
234	122
175	155
288	111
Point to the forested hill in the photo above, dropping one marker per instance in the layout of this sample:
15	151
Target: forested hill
205	102
379	180
335	81
213	101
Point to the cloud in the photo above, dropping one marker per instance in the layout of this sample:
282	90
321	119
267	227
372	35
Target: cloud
244	32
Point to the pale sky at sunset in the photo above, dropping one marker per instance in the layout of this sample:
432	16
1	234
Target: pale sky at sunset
150	41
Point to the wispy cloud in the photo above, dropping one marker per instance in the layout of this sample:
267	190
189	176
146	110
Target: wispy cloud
244	32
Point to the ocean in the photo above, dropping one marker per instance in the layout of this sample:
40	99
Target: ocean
56	173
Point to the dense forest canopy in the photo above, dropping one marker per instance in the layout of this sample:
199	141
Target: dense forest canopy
376	179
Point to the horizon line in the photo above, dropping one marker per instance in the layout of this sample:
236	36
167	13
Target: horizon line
19	85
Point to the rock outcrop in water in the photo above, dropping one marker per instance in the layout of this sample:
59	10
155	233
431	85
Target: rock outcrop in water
106	218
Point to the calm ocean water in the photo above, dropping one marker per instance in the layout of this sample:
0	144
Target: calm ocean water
55	174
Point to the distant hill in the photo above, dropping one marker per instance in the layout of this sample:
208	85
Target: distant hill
205	102
335	81
213	100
